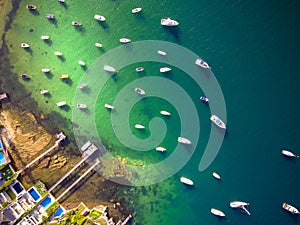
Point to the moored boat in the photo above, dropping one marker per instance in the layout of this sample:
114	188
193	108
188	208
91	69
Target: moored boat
240	205
76	24
25	45
58	53
45	37
186	181
24	76
216	175
184	140
80	62
99	18
44	92
290	208
204	99
202	64
289	154
80	86
45	70
168	22
50	16
165	113
61	1
63	76
31	7
81	106
108	106
160	52
216	120
139	69
136	10
140	91
60	104
99	45
160	149
109	68
139	126
164	69
217	212
124	40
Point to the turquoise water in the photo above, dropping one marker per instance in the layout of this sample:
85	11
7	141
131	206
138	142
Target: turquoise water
46	202
253	49
34	194
2	159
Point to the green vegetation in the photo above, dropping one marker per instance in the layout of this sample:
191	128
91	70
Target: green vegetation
51	210
4	204
10	193
94	214
41	189
74	217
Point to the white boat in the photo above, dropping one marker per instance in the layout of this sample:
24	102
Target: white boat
108	106
99	45
58	53
31	7
81	106
160	52
160	149
99	18
76	24
290	208
140	91
186	181
50	16
109	68
164	69
45	37
45	70
216	120
62	1
139	126
168	22
136	10
60	104
240	205
217	212
204	99
124	40
24	45
217	176
139	69
80	62
289	154
165	113
184	140
44	92
80	86
202	64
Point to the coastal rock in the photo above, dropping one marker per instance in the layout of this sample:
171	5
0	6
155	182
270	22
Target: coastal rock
45	162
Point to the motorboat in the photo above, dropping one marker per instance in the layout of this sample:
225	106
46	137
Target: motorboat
45	37
99	18
290	208
99	45
45	70
58	53
24	76
50	16
186	181
216	120
217	212
160	149
168	22
165	113
124	40
109	69
108	106
139	126
76	24
216	175
24	45
160	52
240	205
80	86
80	62
184	140
164	69
289	154
140	91
60	104
204	99
31	7
139	69
202	64
81	106
63	76
44	92
61	1
136	10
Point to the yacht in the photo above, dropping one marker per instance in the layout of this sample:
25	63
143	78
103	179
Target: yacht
216	120
139	126
202	64
184	140
140	91
168	22
160	149
63	76
44	92
80	86
80	62
160	52
290	208
240	205
99	18
31	7
136	10
217	176
204	99
109	69
164	69
81	106
24	45
99	45
45	70
139	69
186	181
124	40
45	37
60	104
76	24
165	113
108	106
217	212
58	53
289	154
50	16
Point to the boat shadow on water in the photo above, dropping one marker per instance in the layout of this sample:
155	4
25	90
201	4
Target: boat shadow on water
53	21
103	25
86	90
62	58
34	12
64	5
68	81
140	17
49	75
115	77
80	29
85	110
174	31
48	42
29	50
66	108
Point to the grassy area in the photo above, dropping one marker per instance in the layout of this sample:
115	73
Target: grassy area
41	189
10	194
51	210
7	173
94	214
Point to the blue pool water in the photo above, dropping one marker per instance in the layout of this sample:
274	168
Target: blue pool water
46	202
59	212
18	188
34	194
2	158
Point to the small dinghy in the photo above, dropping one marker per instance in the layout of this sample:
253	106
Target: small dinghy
289	154
139	126
160	149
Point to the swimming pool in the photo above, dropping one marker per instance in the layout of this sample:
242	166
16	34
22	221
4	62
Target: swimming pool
2	159
18	188
47	202
59	212
34	194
